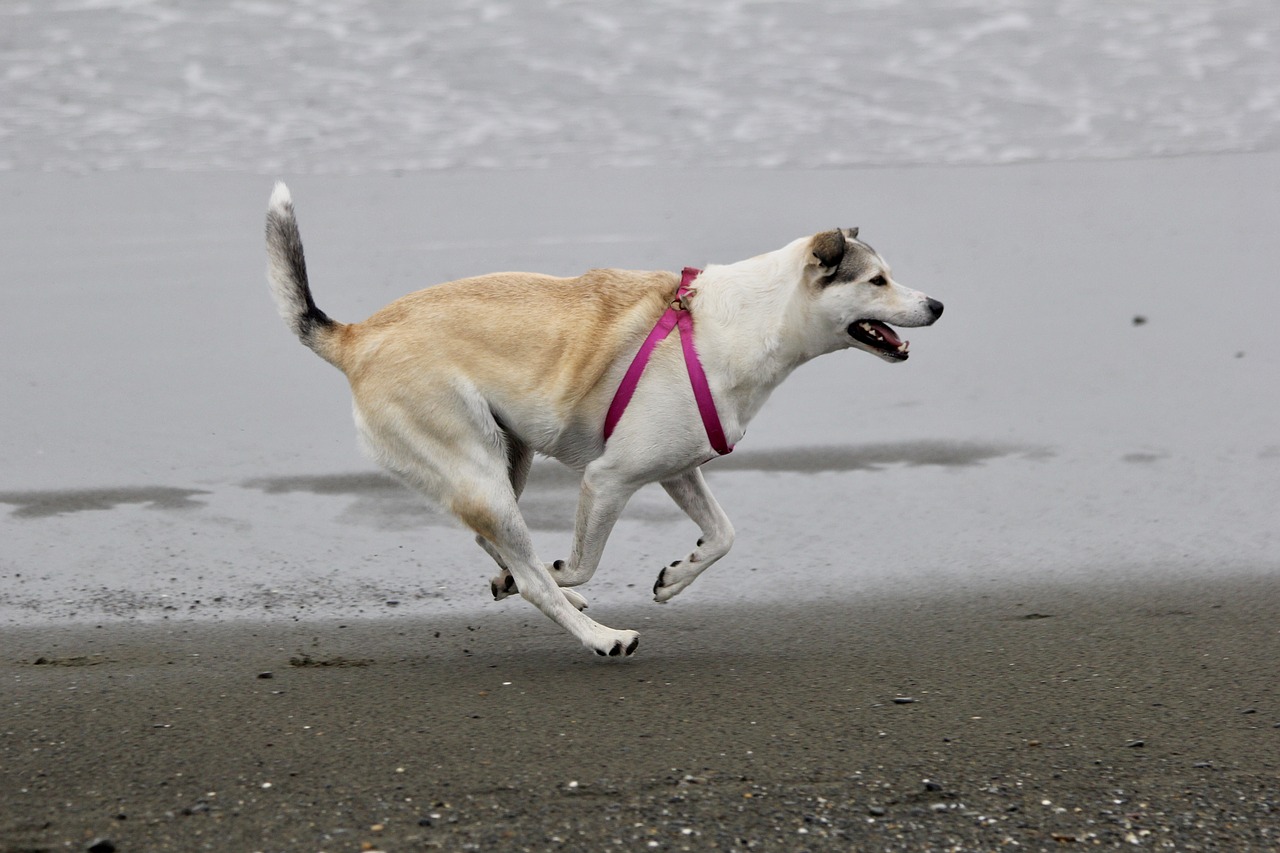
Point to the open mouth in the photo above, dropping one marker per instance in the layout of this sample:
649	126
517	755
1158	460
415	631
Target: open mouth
881	338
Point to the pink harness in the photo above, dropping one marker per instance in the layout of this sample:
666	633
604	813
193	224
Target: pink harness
676	314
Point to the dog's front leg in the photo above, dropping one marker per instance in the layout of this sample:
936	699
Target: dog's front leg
602	497
691	494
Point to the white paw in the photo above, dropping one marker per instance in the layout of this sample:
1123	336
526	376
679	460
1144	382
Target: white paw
673	579
503	585
607	642
575	598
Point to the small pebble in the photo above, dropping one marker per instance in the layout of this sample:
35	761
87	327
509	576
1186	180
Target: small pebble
102	845
876	811
266	675
903	700
1136	744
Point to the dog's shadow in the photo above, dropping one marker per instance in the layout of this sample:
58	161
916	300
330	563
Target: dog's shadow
550	499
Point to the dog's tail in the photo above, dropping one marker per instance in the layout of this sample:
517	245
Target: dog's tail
287	273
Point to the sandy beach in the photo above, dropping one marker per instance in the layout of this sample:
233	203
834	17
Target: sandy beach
1053	531
1131	713
1019	593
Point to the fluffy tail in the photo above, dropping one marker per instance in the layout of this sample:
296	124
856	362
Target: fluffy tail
287	273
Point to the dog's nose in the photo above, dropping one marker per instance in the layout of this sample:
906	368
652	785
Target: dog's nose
936	307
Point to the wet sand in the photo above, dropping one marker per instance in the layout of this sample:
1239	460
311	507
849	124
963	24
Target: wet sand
1126	713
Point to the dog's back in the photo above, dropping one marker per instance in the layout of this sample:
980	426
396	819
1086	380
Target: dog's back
516	336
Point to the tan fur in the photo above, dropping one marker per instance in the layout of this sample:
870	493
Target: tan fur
570	332
476	515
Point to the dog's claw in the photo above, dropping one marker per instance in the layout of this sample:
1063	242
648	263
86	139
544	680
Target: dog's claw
632	647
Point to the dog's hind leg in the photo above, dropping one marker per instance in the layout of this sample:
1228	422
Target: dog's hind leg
497	519
458	458
519	460
691	494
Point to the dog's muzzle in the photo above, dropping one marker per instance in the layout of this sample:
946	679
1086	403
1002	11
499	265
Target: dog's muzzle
881	339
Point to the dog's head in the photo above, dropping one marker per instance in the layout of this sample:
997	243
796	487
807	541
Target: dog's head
854	292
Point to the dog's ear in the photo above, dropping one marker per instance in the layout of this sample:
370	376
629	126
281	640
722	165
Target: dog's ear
851	233
827	250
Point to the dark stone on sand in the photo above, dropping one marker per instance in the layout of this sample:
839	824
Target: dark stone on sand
102	845
903	700
266	675
1136	744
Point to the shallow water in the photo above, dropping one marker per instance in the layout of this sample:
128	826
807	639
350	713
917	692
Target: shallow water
341	86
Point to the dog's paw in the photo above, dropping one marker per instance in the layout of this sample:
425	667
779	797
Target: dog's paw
614	644
504	585
566	575
575	598
673	579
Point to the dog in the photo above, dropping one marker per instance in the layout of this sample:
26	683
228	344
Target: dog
457	386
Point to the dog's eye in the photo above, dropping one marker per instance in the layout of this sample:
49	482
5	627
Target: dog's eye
878	281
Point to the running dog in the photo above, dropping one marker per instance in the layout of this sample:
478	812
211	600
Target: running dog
456	387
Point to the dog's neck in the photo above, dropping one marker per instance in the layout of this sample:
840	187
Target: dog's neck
747	315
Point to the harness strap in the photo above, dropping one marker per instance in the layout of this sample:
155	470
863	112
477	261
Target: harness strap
677	314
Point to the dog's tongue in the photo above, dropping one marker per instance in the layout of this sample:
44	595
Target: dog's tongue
889	335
